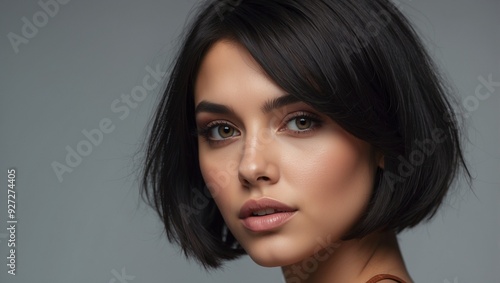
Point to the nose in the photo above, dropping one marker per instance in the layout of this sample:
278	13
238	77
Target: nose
257	166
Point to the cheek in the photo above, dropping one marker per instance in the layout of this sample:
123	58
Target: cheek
334	181
219	176
345	176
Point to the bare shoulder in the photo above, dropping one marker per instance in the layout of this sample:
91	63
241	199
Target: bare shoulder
390	278
405	280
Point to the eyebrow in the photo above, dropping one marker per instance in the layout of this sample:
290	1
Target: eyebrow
268	106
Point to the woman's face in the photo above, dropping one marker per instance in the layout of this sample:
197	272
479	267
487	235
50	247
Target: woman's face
262	152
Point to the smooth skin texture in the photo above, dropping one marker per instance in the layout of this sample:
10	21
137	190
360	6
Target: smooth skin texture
293	154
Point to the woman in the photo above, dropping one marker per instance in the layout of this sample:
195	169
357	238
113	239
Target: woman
306	134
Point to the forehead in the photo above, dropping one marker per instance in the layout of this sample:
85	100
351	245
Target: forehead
229	71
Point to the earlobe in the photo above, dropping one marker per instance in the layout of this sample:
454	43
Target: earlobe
380	160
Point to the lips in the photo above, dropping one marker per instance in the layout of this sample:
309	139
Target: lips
263	206
265	214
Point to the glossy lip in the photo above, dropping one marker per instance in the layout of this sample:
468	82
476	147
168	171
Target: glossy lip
265	222
253	205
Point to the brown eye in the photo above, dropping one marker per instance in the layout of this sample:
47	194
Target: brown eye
221	132
225	131
303	123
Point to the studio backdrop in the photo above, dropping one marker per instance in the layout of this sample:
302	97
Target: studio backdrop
78	84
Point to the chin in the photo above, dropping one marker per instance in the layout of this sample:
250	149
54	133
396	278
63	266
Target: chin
277	253
270	260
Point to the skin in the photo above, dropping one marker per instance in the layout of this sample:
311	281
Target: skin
310	164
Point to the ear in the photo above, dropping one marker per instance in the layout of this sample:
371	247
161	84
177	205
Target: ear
379	158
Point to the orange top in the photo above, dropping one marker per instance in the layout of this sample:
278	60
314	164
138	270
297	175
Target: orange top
381	277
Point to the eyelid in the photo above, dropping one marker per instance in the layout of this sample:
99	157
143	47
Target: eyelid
219	122
314	117
204	131
214	123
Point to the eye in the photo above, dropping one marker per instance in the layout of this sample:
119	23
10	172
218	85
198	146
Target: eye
218	131
221	132
302	122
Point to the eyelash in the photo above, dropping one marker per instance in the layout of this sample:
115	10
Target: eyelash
317	122
205	131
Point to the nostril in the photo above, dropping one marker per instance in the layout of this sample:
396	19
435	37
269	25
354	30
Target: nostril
263	178
246	183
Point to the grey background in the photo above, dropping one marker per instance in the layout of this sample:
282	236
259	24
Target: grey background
92	226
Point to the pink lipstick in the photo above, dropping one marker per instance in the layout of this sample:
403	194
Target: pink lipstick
265	214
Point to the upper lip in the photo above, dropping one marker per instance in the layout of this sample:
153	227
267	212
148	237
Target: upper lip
253	205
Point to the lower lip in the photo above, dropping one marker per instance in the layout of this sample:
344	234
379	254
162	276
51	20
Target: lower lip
267	222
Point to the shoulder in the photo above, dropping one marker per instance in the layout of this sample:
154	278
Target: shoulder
387	278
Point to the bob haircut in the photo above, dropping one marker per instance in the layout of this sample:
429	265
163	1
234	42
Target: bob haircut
358	61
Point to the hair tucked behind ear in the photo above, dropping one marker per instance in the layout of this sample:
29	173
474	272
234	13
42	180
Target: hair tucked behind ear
359	62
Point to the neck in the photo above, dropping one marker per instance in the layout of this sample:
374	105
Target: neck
350	261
